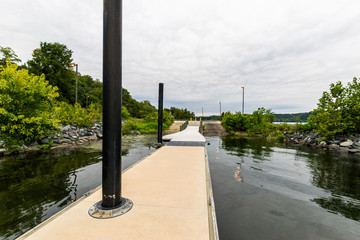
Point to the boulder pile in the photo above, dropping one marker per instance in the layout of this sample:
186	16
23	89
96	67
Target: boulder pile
350	144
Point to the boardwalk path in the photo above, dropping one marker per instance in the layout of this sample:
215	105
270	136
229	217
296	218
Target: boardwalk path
171	192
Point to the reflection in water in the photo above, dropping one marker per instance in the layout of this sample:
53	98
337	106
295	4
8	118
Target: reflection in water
265	189
35	186
237	174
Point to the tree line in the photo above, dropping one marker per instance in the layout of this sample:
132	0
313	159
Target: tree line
37	96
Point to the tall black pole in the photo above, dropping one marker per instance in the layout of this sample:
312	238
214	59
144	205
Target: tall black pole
112	80
112	204
160	112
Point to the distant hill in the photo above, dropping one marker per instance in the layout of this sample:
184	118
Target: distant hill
292	117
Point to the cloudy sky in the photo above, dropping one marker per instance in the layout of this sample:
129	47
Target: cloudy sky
285	52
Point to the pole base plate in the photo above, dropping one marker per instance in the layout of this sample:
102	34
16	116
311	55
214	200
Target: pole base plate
100	212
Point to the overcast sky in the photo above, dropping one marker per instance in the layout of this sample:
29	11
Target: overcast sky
285	52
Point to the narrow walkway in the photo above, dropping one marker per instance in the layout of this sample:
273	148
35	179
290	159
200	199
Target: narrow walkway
175	127
170	190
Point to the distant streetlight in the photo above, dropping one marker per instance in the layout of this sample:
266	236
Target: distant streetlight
76	86
220	110
243	88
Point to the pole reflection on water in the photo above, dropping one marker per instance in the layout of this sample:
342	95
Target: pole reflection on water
264	190
35	186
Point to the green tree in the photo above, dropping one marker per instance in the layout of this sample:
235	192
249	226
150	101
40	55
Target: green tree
8	53
53	60
338	110
26	106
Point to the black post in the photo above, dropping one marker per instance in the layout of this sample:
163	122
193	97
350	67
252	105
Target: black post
160	112
112	204
112	64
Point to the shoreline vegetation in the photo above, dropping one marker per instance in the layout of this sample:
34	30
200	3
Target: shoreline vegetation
37	102
334	124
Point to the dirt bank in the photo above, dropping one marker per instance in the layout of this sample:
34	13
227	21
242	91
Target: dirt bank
213	128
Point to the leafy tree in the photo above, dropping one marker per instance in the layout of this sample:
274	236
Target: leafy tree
89	89
338	110
180	113
8	53
26	106
131	104
53	60
258	122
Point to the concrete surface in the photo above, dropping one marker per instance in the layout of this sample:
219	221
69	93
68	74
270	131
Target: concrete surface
170	191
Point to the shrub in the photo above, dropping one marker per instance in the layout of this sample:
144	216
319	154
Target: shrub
26	106
68	114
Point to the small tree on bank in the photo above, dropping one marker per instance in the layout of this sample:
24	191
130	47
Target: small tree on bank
26	106
338	110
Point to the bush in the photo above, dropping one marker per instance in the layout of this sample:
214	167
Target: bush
26	106
69	115
280	137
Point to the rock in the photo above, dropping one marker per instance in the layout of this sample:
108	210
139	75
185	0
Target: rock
2	143
73	135
134	132
45	141
346	143
99	135
334	146
322	144
66	136
352	151
2	150
66	128
339	138
65	141
352	138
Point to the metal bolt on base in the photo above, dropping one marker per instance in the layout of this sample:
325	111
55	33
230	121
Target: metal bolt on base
100	212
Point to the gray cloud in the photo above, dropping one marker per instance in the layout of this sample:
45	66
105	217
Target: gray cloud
285	53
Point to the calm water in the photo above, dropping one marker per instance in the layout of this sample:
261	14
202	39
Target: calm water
35	186
266	191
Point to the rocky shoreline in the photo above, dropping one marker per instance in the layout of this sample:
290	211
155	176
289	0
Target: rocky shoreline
66	136
350	144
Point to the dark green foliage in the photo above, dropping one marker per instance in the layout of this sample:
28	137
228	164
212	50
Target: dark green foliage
338	110
131	104
89	90
180	113
257	122
291	117
53	60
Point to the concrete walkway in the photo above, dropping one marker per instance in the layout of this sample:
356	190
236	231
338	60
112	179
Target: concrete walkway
171	192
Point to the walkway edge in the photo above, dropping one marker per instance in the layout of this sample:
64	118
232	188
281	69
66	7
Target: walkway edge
86	195
213	228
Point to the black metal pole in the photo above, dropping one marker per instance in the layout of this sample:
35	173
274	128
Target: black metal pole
160	112
112	80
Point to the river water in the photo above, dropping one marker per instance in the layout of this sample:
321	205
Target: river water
268	191
35	186
262	190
